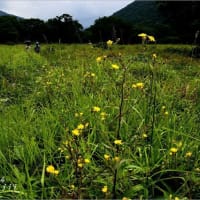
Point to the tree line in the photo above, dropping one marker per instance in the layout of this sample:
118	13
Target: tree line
182	21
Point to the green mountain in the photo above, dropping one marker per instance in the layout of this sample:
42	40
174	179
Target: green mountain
3	13
141	13
145	16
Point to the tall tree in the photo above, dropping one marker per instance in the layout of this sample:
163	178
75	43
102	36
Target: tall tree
106	28
9	29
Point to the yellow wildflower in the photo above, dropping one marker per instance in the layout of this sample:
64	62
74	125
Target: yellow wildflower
166	113
116	158
99	59
78	114
67	157
66	142
106	156
72	187
60	149
163	107
80	165
173	150
154	56
138	85
103	115
114	66
151	38
125	198
96	109
86	160
50	169
144	135
109	42
143	35
76	132
118	142
188	154
176	198
104	189
93	75
80	127
179	144
86	125
197	169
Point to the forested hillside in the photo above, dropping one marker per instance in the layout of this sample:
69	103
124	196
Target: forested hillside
170	21
167	21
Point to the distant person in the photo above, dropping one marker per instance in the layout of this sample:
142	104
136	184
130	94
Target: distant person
28	44
37	47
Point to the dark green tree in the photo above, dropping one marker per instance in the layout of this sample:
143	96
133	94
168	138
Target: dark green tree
64	29
106	28
9	29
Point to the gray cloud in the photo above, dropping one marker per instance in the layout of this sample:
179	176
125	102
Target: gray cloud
85	11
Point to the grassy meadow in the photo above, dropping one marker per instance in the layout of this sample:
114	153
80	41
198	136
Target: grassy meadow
78	122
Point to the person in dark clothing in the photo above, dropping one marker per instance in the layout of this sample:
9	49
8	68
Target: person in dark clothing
37	47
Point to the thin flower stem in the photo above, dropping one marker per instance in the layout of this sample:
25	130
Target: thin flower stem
119	127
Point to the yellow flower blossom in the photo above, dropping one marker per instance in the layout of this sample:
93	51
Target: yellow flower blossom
93	74
99	59
86	160
104	189
173	150
163	107
76	132
197	169
144	135
166	113
179	144
96	109
106	156
60	149
114	66
125	198
80	165
176	198
139	85
78	114
50	169
72	187
118	142
143	35
103	115
109	42
188	154
154	56
86	125
66	142
116	158
67	157
151	38
80	127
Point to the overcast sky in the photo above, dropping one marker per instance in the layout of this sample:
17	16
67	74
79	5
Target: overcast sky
85	11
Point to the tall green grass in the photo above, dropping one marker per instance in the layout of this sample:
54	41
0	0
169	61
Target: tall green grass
139	142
